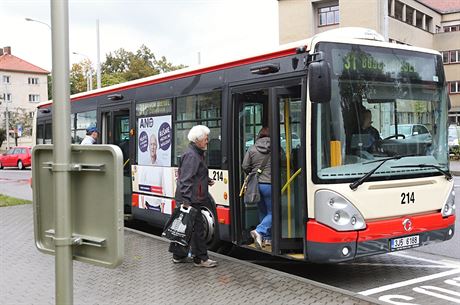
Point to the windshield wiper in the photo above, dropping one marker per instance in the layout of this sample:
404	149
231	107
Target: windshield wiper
364	178
446	174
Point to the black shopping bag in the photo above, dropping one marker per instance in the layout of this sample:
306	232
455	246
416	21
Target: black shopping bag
179	227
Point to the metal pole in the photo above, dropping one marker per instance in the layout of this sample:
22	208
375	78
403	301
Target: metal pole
61	152
90	78
7	120
98	64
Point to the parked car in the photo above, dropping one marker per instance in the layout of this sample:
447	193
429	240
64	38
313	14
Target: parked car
416	132
19	157
453	137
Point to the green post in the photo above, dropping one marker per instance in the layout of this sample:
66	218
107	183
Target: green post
61	154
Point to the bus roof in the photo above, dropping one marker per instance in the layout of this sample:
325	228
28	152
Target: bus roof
353	35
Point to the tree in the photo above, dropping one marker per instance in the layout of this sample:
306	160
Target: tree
20	117
122	65
78	76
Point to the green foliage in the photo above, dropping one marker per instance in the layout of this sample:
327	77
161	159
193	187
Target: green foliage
6	201
456	152
120	66
50	87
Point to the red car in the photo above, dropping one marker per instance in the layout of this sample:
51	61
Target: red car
19	157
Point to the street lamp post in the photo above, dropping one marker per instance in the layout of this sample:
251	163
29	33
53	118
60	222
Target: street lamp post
33	20
98	67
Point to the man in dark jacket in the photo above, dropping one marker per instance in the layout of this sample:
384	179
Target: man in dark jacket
192	190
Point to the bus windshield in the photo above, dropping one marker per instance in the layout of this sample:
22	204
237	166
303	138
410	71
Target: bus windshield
385	102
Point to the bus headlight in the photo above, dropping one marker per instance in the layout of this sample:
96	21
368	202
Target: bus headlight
449	206
337	212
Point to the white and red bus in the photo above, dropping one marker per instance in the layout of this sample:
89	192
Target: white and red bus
338	192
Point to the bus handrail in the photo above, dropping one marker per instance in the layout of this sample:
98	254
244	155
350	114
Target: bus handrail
290	180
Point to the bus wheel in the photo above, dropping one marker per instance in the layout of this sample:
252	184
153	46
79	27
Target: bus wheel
210	227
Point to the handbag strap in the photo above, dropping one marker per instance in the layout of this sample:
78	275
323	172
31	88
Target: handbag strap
264	163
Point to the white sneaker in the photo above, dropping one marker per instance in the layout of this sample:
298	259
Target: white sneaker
257	239
209	263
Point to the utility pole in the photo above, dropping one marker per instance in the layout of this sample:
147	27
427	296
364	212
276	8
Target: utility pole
7	116
61	152
98	63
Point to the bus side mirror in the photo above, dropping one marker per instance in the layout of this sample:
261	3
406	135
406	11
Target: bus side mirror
319	82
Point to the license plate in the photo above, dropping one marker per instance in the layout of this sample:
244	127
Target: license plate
404	242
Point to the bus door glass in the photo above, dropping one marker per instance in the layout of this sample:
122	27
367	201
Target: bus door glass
115	129
252	111
288	190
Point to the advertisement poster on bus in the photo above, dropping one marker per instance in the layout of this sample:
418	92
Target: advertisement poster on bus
154	140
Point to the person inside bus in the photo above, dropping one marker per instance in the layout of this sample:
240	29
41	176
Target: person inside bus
373	138
253	161
192	190
91	136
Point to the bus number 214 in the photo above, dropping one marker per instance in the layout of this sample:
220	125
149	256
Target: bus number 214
407	198
218	175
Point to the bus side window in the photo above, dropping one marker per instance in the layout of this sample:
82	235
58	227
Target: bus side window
215	153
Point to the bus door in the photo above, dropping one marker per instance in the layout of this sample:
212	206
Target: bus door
278	107
117	128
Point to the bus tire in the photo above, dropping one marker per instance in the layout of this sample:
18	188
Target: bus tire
211	228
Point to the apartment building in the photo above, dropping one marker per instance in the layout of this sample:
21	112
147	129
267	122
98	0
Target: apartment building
430	24
22	86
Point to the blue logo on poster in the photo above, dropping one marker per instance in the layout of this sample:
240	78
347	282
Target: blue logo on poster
164	136
143	141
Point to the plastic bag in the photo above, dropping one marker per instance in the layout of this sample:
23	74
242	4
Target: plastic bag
179	227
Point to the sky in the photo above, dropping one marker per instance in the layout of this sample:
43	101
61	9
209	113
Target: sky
177	29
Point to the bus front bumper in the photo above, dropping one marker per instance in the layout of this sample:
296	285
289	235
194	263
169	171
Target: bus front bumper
326	245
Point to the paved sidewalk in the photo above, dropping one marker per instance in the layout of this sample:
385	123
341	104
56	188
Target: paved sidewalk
147	275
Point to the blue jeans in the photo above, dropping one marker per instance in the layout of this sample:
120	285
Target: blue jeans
265	211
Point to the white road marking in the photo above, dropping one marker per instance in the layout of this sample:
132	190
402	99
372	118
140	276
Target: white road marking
409	282
454	281
451	264
426	290
403	265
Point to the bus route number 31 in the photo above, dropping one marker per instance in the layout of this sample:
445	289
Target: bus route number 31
407	198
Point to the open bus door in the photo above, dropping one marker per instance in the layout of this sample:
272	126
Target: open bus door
117	128
280	107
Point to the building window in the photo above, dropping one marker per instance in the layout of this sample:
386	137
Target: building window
455	56
6	79
329	15
34	98
399	10
452	28
445	56
409	15
33	80
455	87
7	97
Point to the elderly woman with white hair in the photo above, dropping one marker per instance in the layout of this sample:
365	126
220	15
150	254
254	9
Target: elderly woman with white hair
192	190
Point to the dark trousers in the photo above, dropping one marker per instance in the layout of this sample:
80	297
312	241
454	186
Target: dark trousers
199	249
198	242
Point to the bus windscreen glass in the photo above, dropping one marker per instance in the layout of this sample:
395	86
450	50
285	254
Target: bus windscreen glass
385	102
